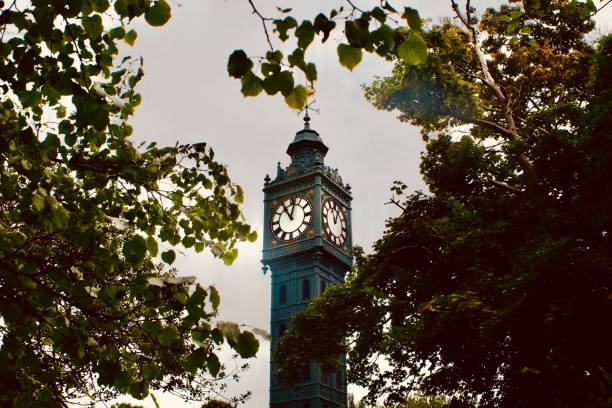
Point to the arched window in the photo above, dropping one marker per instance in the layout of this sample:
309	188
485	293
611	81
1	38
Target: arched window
323	286
305	289
281	329
282	295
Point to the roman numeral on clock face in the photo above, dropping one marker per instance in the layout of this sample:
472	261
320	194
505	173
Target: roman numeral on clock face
291	218
334	222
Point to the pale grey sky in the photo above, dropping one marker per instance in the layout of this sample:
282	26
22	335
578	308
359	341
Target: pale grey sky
188	97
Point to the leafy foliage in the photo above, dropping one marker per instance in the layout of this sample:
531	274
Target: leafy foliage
125	405
84	309
217	404
491	289
364	30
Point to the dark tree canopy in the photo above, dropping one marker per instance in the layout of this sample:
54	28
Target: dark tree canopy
494	288
85	309
216	403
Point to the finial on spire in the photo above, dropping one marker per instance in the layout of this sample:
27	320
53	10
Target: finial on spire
306	115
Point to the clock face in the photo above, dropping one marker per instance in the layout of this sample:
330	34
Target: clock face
291	218
334	222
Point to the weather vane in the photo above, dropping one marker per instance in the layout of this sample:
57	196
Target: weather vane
307	108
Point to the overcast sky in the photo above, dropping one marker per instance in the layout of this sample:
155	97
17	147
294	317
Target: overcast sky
188	97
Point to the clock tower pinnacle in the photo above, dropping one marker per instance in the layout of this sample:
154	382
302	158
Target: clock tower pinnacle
307	247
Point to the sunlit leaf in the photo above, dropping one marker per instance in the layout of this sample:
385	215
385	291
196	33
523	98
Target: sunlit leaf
413	51
349	56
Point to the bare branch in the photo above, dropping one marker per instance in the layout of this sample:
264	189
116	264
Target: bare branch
263	22
510	130
396	203
505	186
601	8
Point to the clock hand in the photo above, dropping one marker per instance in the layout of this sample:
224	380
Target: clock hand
292	204
287	211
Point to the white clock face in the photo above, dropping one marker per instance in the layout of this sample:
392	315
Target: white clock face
334	222
291	218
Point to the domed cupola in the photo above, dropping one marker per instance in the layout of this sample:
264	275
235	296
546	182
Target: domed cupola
307	150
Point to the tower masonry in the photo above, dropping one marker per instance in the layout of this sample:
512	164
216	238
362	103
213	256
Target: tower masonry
307	247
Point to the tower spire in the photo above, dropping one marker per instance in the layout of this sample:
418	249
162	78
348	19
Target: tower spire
306	119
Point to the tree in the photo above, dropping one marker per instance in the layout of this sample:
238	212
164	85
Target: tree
490	288
215	403
417	401
125	405
85	309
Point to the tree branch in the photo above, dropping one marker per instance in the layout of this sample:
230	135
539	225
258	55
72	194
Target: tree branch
396	203
505	186
510	131
263	22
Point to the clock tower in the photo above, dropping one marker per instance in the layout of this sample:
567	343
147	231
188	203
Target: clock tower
307	247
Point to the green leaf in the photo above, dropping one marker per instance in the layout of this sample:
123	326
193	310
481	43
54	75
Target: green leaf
30	98
247	345
239	195
188	241
139	390
152	246
389	7
100	5
26	164
324	25
274	57
297	98
349	56
38	202
230	256
517	13
305	34
196	360
252	85
130	37
121	7
296	58
311	72
512	27
379	14
167	335
117	33
158	14
168	256
252	236
214	366
282	26
214	297
413	51
93	25
134	250
238	64
122	380
282	81
356	33
180	297
383	39
412	17
151	372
